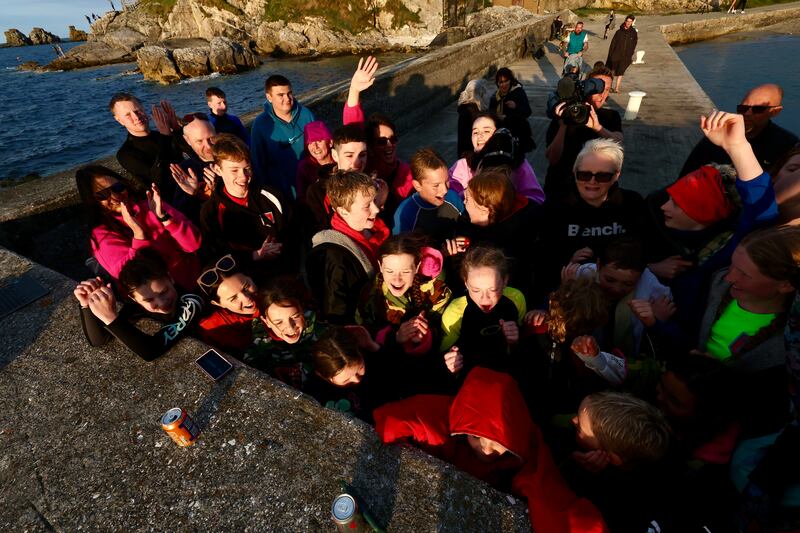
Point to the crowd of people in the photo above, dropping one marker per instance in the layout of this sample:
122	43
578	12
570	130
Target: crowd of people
623	363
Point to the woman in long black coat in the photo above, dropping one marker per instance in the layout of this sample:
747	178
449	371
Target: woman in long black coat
621	50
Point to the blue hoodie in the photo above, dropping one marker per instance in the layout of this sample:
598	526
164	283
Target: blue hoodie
276	147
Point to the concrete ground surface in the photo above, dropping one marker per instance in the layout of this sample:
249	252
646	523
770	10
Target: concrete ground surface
82	447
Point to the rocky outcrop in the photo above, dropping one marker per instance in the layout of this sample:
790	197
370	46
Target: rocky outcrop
90	54
191	62
156	64
40	36
452	35
495	18
314	36
126	39
77	35
164	65
14	37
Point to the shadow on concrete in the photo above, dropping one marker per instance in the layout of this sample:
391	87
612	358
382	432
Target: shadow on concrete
375	480
210	404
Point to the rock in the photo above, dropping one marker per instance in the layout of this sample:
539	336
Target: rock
156	64
292	43
191	62
125	39
494	18
14	37
40	36
30	65
452	35
90	54
77	35
229	57
324	40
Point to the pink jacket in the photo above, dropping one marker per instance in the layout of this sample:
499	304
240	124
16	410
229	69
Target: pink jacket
177	243
401	185
523	177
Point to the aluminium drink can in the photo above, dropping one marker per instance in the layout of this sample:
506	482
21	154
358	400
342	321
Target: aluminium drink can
347	517
180	426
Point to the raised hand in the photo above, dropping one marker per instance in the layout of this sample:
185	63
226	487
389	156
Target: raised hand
571	270
103	304
585	347
643	310
593	122
188	182
364	76
413	330
510	331
131	221
85	289
162	120
454	360
210	179
172	117
269	250
724	129
154	201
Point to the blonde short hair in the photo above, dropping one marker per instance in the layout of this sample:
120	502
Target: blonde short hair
607	148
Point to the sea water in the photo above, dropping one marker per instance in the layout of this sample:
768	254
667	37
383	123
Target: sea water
53	121
727	67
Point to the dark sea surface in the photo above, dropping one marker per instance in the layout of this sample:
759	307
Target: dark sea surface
57	120
727	67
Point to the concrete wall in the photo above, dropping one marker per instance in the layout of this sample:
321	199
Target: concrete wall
700	30
409	92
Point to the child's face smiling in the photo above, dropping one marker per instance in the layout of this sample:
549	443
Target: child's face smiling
398	271
432	185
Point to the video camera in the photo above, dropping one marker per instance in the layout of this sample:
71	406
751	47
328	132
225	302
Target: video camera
573	92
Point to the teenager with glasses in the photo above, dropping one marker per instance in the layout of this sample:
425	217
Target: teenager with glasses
120	224
232	294
594	210
768	140
147	292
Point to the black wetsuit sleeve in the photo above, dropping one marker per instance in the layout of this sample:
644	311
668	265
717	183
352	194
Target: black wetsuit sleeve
150	347
93	328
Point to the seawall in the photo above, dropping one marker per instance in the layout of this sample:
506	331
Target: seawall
717	24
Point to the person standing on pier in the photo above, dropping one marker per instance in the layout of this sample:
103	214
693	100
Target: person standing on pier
577	43
769	141
620	53
609	24
276	137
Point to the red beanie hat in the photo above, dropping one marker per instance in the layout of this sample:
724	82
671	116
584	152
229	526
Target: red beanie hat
701	196
316	131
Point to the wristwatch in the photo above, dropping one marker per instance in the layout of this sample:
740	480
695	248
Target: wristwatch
164	218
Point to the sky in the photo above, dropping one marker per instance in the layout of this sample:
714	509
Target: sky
54	16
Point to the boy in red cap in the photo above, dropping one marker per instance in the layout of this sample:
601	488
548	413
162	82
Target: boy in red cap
698	200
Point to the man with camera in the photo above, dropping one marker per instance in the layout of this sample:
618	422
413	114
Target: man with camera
578	116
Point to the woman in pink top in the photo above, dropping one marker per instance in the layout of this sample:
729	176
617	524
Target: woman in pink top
523	177
120	226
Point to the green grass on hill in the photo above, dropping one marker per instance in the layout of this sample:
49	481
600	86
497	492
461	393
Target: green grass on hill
162	8
724	4
341	14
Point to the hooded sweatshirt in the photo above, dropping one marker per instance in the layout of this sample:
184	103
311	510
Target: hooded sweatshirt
490	405
277	146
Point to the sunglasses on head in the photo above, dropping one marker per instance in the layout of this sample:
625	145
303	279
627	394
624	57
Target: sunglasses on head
211	277
756	109
192	116
600	177
384	141
105	194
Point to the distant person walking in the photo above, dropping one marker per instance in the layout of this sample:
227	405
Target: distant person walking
555	28
609	24
621	50
577	43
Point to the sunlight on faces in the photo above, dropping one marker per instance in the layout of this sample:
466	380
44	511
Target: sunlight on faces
583	430
349	375
114	202
482	129
282	99
433	185
235	175
133	117
237	294
487	450
362	213
617	282
320	150
199	134
767	95
385	152
218	106
398	271
674	398
748	284
286	320
156	296
350	156
676	218
593	192
599	100
485	287
478	214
